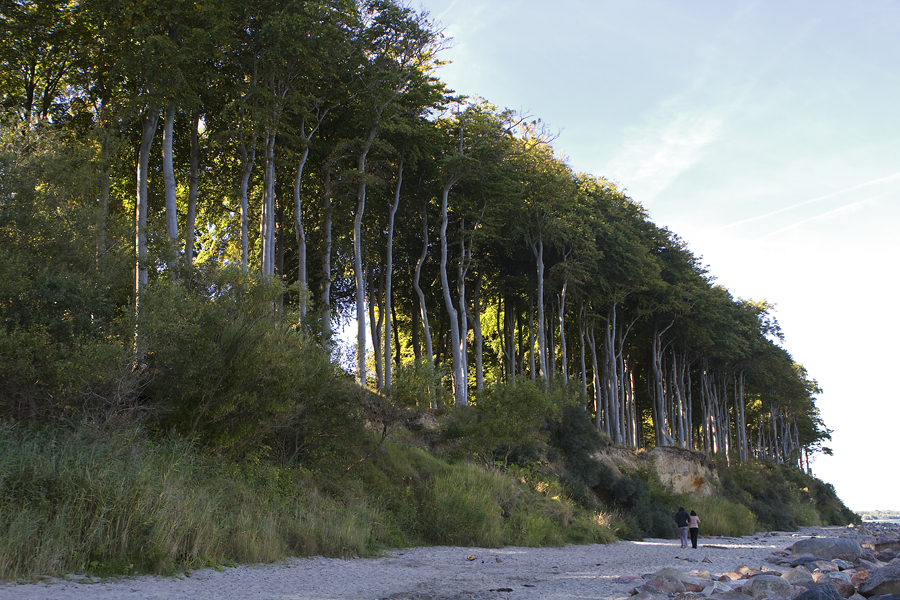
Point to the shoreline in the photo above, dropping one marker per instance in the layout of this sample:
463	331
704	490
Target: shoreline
442	573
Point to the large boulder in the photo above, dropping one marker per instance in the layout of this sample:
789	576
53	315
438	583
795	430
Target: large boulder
768	586
885	580
843	548
840	580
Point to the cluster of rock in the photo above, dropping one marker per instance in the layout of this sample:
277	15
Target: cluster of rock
863	564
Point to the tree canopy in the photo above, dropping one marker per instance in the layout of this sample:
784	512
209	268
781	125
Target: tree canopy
312	170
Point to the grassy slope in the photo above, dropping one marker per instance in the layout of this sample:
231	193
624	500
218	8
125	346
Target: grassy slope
121	502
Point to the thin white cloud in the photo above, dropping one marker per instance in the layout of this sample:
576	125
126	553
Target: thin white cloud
670	145
811	201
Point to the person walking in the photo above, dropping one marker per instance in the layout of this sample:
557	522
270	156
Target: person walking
681	519
694	527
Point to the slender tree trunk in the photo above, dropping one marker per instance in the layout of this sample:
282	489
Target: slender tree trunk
300	233
581	344
247	160
460	392
388	307
663	434
429	351
475	318
461	269
357	260
190	225
149	121
375	303
598	404
169	177
325	264
562	331
531	364
538	250
267	221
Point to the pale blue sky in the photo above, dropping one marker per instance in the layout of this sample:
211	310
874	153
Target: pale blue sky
766	134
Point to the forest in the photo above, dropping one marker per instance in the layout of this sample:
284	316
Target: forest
181	158
196	199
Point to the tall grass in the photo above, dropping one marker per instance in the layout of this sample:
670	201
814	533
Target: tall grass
721	517
113	504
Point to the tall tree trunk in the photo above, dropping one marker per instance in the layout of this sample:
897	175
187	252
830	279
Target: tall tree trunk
598	400
475	319
531	364
359	276
149	121
429	351
169	179
537	248
661	413
461	269
325	263
248	157
562	331
389	267
193	188
460	391
375	324
300	233
581	344
267	221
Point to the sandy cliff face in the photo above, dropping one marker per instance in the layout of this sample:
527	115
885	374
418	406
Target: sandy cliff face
685	471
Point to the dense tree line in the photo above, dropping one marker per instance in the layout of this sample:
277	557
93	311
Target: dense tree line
310	147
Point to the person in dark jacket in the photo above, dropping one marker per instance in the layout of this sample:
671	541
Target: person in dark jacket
681	519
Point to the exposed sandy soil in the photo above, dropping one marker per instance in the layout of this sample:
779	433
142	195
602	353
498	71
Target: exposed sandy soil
437	573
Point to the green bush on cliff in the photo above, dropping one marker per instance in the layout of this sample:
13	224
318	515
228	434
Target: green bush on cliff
782	497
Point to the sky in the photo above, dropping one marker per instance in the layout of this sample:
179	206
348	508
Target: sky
766	135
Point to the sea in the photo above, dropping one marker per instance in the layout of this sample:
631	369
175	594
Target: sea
895	521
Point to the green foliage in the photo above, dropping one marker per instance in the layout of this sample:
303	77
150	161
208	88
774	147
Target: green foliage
504	419
222	369
120	502
719	516
417	384
641	502
782	497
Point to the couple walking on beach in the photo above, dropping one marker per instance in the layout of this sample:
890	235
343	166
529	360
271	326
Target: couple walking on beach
687	522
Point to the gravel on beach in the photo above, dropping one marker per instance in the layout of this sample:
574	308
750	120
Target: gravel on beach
437	573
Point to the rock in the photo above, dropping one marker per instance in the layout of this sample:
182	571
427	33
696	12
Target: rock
715	587
689	596
804	560
885	580
691	583
868	565
768	586
823	566
649	596
799	575
843	548
729	596
841	581
667	584
822	592
654	591
886	597
669	571
843	565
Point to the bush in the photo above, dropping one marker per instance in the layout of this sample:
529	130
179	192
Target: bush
503	419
